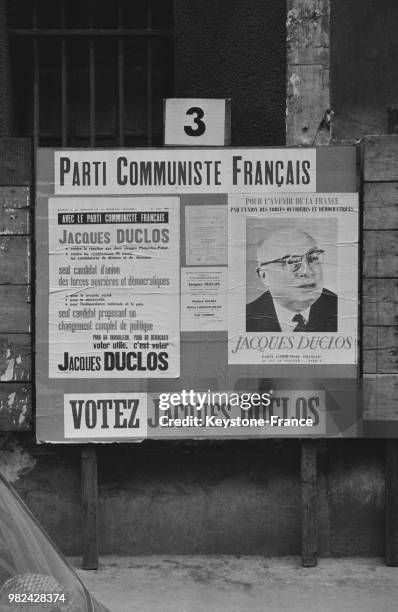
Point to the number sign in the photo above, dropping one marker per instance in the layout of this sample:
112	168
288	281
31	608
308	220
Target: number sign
196	122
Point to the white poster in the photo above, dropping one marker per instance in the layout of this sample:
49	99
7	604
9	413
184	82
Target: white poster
114	287
206	235
204	299
293	279
180	171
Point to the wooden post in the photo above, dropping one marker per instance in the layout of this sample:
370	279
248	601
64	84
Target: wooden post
391	545
89	503
309	518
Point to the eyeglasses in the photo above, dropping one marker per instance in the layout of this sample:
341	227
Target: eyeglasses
293	263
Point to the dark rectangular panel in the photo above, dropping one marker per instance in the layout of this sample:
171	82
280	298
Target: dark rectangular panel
336	169
15	161
14	308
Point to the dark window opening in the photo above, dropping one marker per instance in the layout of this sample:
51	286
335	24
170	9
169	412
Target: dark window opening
91	72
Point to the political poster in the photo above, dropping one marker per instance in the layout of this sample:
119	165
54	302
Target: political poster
293	279
114	287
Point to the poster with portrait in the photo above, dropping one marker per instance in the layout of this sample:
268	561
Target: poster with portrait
293	279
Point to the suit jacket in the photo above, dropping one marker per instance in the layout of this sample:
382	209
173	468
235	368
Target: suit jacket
261	315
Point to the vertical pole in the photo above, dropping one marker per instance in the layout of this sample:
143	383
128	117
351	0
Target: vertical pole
36	83
5	78
309	517
64	81
149	75
391	544
89	476
120	78
91	53
89	503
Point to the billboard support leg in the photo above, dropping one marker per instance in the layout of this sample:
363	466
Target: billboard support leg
89	503
309	518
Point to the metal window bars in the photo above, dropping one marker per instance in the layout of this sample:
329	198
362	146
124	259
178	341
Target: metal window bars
122	61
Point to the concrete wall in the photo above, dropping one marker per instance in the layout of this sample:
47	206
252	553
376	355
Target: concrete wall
364	48
235	49
225	498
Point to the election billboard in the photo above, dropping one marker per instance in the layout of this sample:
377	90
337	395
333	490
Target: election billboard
196	293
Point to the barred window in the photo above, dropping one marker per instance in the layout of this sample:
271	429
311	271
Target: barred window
90	72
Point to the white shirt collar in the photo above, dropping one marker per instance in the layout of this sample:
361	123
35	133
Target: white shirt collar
285	317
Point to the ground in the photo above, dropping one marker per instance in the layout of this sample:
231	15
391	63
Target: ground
242	584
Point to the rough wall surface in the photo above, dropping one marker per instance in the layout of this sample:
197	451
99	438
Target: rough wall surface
212	498
364	47
307	102
235	49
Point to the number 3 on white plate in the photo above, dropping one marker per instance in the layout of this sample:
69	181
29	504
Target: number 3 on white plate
197	122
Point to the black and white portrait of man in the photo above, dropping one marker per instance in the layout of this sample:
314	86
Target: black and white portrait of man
289	264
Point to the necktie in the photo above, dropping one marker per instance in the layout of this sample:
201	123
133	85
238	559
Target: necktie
299	319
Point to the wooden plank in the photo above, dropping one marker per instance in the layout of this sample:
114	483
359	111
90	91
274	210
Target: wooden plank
380	206
380	350
380	392
391	533
380	253
15	406
15	310
15	357
14	210
15	161
381	158
380	301
89	504
14	260
380	295
309	516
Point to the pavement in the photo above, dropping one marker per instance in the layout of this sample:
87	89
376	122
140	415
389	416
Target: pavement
241	584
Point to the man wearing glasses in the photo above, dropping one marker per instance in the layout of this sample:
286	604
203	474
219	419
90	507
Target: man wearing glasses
290	266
